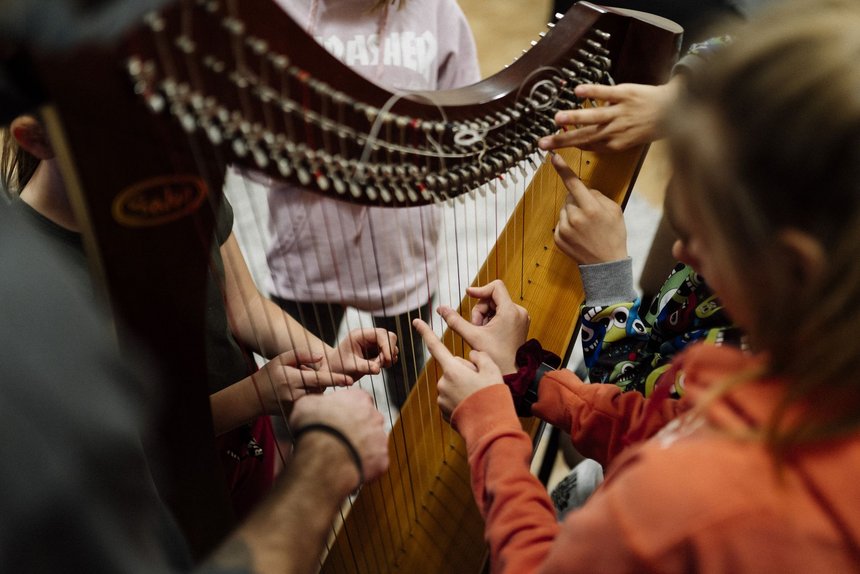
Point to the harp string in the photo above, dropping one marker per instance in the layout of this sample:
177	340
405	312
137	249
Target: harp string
333	256
259	218
353	541
504	199
166	58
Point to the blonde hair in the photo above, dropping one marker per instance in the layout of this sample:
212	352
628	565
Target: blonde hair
16	165
767	139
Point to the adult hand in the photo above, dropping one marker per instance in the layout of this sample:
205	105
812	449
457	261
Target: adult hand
352	412
631	116
292	375
364	351
590	225
498	327
460	378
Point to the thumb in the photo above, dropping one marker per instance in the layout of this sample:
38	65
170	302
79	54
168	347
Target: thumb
299	357
457	323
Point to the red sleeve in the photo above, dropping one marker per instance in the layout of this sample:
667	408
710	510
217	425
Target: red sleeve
601	419
521	522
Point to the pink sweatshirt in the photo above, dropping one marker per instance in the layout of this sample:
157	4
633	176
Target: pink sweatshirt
692	498
376	259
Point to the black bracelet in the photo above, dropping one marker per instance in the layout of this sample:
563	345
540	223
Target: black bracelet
531	395
353	452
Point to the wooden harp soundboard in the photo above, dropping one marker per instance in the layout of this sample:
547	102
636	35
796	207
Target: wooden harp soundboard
145	129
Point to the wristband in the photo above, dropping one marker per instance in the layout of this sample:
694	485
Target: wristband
533	363
531	395
353	452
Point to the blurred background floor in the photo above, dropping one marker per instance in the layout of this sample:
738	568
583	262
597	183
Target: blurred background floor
503	28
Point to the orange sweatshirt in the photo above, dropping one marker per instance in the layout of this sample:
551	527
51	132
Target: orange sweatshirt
689	499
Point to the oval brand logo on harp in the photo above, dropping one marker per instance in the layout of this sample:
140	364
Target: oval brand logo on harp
159	200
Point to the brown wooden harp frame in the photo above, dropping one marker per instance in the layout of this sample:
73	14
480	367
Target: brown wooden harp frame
149	221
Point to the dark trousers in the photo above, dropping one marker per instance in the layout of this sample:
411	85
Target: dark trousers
324	319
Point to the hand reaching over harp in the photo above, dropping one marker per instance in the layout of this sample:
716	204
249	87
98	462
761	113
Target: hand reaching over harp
630	117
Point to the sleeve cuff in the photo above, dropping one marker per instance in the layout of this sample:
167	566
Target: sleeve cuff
532	363
484	412
608	283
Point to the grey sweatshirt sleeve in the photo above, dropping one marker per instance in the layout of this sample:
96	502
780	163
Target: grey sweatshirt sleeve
608	283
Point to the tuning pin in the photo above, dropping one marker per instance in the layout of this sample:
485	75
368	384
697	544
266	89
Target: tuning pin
214	134
185	44
339	185
240	147
260	157
425	194
154	21
322	181
304	176
284	167
155	102
189	122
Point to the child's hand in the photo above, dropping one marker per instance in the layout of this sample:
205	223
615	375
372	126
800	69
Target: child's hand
499	326
632	117
461	378
292	375
590	226
364	351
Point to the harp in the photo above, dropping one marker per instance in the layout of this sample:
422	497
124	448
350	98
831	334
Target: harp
208	83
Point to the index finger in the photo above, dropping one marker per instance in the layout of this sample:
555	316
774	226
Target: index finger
386	342
599	92
577	189
321	379
581	117
494	290
435	345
